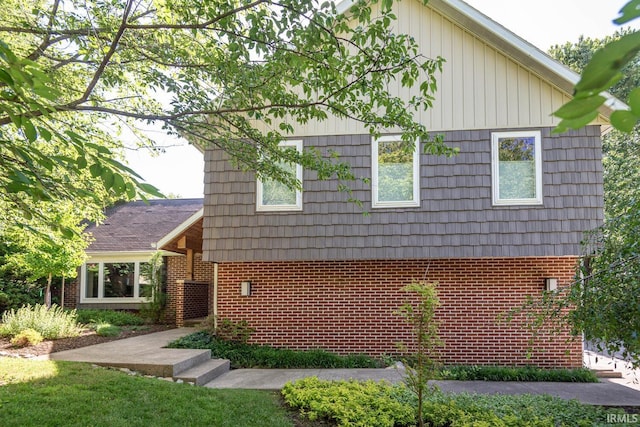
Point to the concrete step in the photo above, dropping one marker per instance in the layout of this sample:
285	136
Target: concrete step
197	358
607	373
204	372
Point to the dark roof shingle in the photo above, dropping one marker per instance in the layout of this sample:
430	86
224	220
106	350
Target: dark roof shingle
139	225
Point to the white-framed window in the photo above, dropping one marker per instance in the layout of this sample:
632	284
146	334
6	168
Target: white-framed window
516	160
395	173
274	196
113	281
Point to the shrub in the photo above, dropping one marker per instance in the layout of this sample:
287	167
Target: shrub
107	330
15	293
227	329
51	323
116	318
348	403
263	356
153	270
26	338
526	373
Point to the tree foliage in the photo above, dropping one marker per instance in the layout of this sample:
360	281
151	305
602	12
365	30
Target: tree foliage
605	294
236	74
605	70
46	252
422	364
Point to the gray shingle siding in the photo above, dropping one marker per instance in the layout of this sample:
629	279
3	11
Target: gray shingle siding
456	217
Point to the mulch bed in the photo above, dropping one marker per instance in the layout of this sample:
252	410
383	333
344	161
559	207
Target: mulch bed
86	338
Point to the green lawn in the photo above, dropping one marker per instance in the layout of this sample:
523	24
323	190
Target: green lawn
75	394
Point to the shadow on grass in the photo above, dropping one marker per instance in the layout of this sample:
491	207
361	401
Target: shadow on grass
77	394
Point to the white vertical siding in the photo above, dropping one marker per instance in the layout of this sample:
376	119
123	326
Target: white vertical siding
480	86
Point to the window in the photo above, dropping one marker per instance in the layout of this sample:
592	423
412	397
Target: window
275	196
395	173
516	168
113	281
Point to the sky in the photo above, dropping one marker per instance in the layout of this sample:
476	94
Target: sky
179	170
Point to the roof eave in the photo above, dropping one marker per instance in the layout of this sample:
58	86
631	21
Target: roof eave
180	229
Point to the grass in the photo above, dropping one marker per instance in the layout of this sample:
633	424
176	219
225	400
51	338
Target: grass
75	394
262	356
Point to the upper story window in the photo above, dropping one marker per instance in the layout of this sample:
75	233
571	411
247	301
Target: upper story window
516	168
275	196
395	173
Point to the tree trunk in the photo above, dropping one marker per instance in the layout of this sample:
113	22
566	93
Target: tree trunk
47	294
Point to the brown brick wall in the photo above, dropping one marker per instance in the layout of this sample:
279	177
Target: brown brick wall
348	306
193	294
72	292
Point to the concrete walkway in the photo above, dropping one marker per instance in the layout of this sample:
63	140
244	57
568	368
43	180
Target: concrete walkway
606	393
146	351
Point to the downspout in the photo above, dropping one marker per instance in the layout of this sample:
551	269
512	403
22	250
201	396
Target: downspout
215	294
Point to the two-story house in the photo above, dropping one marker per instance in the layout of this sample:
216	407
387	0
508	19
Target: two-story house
501	221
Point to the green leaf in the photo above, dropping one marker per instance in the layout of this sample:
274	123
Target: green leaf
607	63
130	190
6	77
29	130
629	12
567	124
118	184
107	178
44	133
95	170
46	92
634	101
624	120
579	107
81	162
150	189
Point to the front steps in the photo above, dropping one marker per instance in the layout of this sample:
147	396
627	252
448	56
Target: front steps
204	372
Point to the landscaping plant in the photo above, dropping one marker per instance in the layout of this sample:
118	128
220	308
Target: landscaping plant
228	330
242	355
353	403
154	308
26	338
516	373
116	318
51	323
421	363
107	330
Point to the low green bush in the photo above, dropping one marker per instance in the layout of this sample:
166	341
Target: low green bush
26	338
526	373
15	293
51	323
227	329
116	318
348	403
262	356
107	330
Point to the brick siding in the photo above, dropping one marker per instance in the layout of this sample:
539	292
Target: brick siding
348	306
193	294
